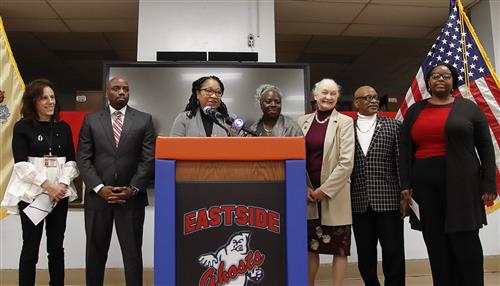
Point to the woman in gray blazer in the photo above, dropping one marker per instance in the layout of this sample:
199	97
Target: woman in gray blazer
193	122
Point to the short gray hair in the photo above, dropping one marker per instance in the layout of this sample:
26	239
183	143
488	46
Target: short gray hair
263	88
326	80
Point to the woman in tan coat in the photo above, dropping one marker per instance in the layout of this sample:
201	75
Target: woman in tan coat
329	139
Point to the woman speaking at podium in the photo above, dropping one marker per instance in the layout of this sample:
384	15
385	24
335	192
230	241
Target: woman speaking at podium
206	91
272	122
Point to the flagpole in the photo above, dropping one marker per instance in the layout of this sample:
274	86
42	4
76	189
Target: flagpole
481	49
464	48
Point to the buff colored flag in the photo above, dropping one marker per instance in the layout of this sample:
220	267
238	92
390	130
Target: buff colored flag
11	93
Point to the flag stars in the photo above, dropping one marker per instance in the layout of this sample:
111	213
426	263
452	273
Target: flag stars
481	70
454	37
444	41
457	58
460	77
447	61
467	53
473	66
452	45
439	58
429	54
447	33
471	74
453	17
441	50
475	57
459	49
449	53
469	46
462	70
449	25
457	29
455	65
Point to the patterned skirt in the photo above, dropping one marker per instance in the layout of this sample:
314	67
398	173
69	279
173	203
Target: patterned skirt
335	240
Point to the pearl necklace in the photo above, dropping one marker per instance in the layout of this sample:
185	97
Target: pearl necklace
321	121
369	128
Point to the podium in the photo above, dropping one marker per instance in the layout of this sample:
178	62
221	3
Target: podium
230	211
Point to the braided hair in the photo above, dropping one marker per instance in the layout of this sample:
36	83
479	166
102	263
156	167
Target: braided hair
193	104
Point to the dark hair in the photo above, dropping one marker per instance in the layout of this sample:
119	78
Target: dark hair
33	92
454	75
193	104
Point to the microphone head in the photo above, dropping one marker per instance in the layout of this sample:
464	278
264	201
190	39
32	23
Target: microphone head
238	122
212	113
207	110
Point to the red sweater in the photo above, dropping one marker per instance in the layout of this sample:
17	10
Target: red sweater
428	132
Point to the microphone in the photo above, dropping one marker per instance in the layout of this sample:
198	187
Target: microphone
238	123
215	115
212	113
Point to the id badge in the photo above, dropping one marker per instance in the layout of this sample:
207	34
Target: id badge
50	161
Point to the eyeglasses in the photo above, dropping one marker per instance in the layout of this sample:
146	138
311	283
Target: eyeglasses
445	76
369	97
210	92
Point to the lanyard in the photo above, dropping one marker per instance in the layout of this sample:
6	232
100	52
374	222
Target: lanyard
49	139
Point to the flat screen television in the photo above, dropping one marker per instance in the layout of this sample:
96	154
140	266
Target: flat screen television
163	89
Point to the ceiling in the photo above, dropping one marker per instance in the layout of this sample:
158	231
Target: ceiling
380	42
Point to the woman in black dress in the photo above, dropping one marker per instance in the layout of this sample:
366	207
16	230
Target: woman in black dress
447	163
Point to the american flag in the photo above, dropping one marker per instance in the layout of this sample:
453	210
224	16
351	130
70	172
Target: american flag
458	45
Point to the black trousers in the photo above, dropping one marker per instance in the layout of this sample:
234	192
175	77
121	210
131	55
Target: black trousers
370	228
129	223
55	226
456	258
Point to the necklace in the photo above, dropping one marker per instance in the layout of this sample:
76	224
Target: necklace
267	132
369	128
321	121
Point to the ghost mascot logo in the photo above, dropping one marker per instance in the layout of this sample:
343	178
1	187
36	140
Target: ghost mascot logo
239	215
233	263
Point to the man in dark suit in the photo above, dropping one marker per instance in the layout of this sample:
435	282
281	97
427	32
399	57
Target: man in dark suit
116	158
375	192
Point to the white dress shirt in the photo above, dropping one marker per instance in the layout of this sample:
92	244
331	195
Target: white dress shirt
113	117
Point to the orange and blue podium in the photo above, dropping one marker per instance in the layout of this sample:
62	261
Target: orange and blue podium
230	211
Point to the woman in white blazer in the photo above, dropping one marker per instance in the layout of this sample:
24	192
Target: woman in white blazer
329	139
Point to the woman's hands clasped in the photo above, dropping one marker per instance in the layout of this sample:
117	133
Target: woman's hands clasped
314	195
56	191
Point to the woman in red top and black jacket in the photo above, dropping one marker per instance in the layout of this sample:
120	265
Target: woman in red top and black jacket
440	168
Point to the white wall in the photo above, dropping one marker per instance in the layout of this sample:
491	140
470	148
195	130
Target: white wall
74	244
481	19
495	23
210	25
415	246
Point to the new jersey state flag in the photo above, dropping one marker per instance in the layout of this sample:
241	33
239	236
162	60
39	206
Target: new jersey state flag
11	93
